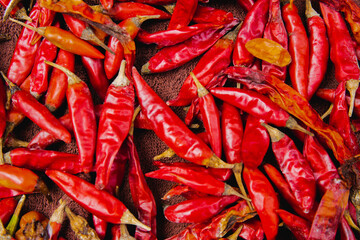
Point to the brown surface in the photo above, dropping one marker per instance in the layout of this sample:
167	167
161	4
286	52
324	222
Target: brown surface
167	86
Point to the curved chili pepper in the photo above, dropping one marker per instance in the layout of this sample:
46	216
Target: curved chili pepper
264	200
205	14
252	27
183	13
215	60
81	109
57	218
298	48
7	209
174	56
295	168
298	226
275	30
169	128
319	49
97	202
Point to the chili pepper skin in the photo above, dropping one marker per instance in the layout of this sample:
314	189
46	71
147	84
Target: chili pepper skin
255	142
142	122
246	4
120	232
7	192
183	13
345	231
57	217
319	49
175	56
252	230
184	191
8	206
205	14
252	27
298	226
298	48
197	210
264	200
56	92
97	202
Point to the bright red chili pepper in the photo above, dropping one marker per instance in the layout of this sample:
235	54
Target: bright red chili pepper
215	60
100	227
169	127
152	2
252	27
264	200
58	81
57	217
275	30
205	14
97	202
107	4
246	4
8	206
298	48
7	192
252	230
183	13
142	122
298	226
174	56
319	49
184	191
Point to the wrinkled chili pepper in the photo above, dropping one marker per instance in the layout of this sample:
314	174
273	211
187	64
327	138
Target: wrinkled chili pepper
183	13
124	10
319	49
81	109
56	92
174	56
97	202
32	226
169	128
264	200
252	27
80	226
57	218
295	168
206	14
7	209
215	60
298	226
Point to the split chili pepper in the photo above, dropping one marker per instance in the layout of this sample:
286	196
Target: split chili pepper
298	226
295	168
79	225
98	202
264	200
125	10
252	230
8	206
65	40
330	211
319	49
252	27
14	221
342	51
183	13
255	142
184	191
198	210
275	30
246	4
81	109
57	218
257	105
170	129
174	56
214	61
120	232
114	125
58	81
298	48
206	14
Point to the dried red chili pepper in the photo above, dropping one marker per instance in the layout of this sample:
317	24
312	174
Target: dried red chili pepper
295	168
252	27
252	230
184	191
8	206
183	13
7	192
58	81
80	226
264	200
298	226
246	4
174	56
275	30
119	232
215	60
97	202
81	109
319	49
205	14
345	231
142	122
57	217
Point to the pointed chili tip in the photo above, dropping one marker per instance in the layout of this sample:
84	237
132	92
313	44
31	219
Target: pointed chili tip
168	153
292	124
275	134
352	85
145	69
202	91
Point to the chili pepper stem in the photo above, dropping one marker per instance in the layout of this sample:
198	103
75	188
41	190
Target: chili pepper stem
168	153
238	173
41	186
89	35
236	234
128	218
136	112
274	133
58	214
12	4
15	143
72	78
327	113
121	80
12	225
21	15
98	8
145	69
3	232
140	19
80	226
350	220
194	126
352	85
2	161
309	11
233	34
40	30
169	7
13	88
231	191
215	162
292	124
202	91
8	99
124	232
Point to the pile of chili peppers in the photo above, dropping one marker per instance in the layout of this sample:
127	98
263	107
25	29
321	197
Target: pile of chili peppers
254	157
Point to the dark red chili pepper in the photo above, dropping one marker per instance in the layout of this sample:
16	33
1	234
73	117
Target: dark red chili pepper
295	168
55	222
58	81
183	13
298	48
298	226
275	30
246	4
264	200
255	142
319	49
97	202
184	191
252	230
174	56
142	122
345	231
8	206
100	227
197	210
252	27
205	14
7	192
215	60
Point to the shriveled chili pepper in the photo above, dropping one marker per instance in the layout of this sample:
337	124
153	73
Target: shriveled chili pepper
252	27
246	4
97	202
295	168
319	49
8	206
215	60
298	226
81	109
32	226
96	73
174	56
169	128
184	191
197	210
206	14
252	230
183	13
80	226
65	40
264	200
55	222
